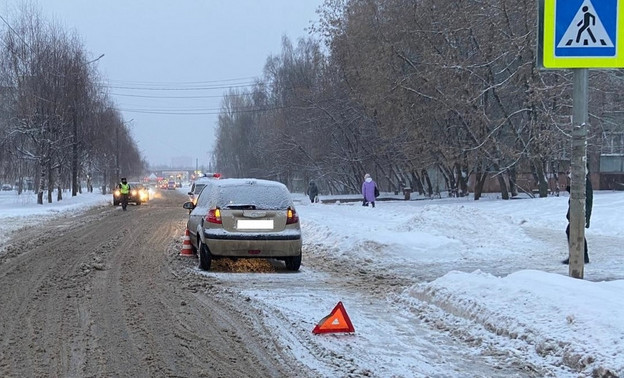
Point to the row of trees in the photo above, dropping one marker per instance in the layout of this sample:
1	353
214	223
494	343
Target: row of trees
58	127
413	92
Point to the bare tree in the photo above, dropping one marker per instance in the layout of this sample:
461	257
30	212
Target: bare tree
55	119
416	93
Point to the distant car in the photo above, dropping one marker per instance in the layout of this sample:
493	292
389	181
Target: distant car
6	187
171	185
143	192
245	218
198	185
138	194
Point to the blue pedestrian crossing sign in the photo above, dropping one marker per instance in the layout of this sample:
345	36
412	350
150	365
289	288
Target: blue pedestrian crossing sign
581	34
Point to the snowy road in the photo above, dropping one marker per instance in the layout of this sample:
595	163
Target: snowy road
103	294
126	304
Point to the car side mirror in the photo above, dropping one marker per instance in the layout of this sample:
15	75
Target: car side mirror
188	205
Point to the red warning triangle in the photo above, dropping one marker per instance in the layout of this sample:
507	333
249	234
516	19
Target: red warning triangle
336	321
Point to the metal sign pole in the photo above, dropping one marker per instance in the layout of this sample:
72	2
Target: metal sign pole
580	35
578	171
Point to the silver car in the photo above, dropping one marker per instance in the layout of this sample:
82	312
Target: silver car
198	185
245	218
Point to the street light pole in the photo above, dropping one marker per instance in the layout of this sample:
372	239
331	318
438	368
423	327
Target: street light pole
74	167
117	154
75	149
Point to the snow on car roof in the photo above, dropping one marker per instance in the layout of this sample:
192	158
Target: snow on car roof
248	181
203	179
271	194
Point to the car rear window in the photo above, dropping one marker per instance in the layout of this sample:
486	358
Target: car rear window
254	196
198	188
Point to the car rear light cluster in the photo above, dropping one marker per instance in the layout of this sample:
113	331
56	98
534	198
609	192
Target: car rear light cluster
291	216
214	216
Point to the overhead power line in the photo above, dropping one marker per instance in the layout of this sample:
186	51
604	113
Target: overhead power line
168	112
209	111
180	88
182	83
197	111
165	97
16	33
242	82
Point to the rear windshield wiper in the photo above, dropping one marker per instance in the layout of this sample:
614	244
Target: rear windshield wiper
241	207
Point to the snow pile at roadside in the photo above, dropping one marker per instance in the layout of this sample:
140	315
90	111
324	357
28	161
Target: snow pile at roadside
17	211
497	281
565	321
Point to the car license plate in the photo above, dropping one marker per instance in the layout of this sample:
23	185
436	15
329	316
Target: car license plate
254	224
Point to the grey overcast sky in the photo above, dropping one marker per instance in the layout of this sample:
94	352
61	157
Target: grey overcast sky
163	48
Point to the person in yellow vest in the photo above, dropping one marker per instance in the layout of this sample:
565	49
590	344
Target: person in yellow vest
124	189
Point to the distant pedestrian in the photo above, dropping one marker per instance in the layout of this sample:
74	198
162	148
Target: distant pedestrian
589	199
313	192
369	189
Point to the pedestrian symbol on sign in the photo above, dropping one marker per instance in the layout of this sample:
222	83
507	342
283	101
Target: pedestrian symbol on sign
585	30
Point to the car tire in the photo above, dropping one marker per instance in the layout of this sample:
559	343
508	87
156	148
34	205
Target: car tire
138	203
293	263
204	257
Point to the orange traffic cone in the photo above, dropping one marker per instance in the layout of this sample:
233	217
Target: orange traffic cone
187	248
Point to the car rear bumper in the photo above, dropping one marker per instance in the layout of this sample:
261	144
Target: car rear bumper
281	244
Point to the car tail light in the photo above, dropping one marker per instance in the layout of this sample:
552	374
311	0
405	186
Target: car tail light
214	216
291	216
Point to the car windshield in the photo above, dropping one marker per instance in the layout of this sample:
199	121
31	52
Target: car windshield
249	197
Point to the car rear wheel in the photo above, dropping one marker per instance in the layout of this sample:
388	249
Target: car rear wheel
293	263
204	257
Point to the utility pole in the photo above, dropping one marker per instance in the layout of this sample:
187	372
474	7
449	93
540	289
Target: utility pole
74	162
117	154
74	166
